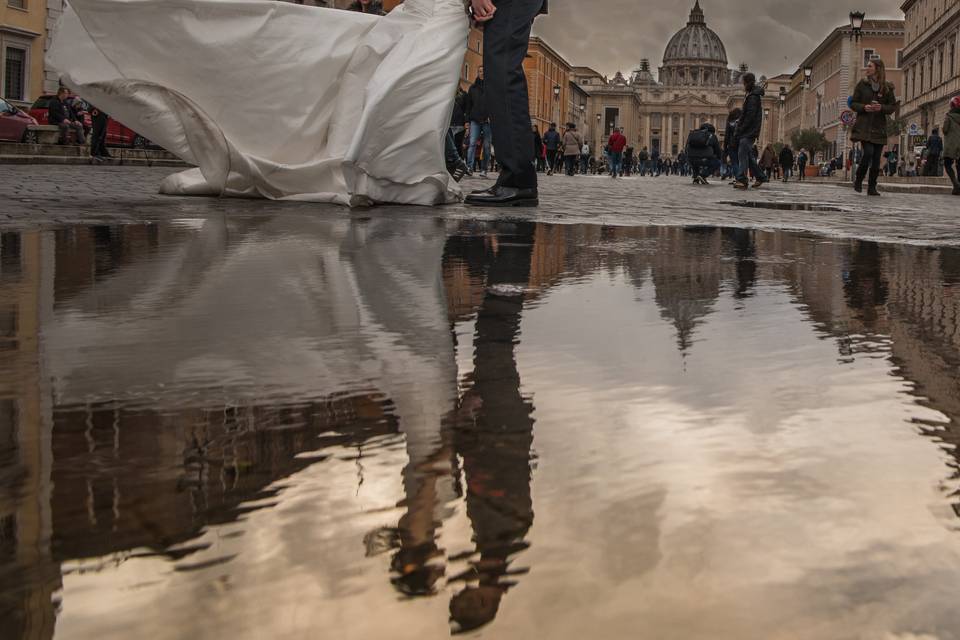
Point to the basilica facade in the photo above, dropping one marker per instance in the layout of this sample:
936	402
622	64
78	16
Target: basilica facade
694	85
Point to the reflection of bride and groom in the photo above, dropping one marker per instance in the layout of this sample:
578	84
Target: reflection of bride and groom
362	305
491	432
289	102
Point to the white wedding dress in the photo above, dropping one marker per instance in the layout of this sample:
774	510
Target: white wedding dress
277	100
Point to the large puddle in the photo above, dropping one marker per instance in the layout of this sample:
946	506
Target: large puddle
287	427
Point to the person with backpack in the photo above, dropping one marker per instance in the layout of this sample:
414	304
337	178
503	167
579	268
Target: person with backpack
616	144
703	152
642	159
802	165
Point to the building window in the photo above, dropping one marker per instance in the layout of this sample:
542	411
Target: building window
942	66
15	73
17	4
899	58
868	56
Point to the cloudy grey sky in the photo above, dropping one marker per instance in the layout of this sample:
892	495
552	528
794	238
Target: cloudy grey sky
771	36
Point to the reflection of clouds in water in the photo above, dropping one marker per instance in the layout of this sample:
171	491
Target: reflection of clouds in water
754	486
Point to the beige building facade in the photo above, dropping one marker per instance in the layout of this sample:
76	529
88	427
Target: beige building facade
834	69
930	63
695	85
22	37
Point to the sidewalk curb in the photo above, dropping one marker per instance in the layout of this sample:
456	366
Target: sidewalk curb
80	160
927	189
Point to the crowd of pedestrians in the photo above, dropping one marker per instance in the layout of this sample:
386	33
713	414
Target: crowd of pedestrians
704	156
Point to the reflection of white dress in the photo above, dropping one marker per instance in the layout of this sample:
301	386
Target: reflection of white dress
276	100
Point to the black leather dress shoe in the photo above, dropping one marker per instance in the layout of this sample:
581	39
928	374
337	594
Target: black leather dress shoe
505	197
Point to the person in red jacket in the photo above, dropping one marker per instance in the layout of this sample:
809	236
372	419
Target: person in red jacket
615	146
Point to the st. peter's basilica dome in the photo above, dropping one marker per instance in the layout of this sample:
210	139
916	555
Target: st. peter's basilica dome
695	55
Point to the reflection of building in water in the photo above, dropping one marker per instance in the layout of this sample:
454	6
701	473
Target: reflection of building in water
106	477
28	577
687	275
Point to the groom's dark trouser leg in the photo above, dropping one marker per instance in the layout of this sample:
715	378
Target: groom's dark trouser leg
505	41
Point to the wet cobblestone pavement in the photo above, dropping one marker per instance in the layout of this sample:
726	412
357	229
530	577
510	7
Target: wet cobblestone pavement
43	196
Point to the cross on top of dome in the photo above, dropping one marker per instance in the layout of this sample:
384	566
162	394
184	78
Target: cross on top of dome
696	15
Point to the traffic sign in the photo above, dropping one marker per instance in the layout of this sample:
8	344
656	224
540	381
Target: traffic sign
848	117
914	129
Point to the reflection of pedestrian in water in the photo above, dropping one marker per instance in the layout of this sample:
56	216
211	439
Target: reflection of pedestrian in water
745	251
866	286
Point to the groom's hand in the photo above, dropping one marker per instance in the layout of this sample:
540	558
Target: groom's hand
483	10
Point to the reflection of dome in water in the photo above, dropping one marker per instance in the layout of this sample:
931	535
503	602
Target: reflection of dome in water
695	55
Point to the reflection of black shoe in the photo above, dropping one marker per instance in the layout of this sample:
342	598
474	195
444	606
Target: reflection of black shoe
505	197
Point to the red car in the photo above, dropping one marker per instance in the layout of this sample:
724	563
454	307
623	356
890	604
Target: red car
117	134
14	124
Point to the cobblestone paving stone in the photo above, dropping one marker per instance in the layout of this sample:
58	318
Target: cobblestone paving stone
49	196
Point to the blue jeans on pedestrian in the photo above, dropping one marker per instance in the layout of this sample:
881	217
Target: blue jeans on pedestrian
475	130
616	162
747	159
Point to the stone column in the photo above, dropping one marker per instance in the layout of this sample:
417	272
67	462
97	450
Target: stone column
666	133
649	139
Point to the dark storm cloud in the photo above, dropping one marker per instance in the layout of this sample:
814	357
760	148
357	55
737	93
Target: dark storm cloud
771	36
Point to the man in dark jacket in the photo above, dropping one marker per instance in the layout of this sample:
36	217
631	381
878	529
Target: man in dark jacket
60	115
552	142
642	159
703	152
747	133
506	35
786	161
98	139
934	151
731	150
479	117
802	165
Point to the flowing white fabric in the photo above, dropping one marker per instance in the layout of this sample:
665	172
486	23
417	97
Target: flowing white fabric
273	99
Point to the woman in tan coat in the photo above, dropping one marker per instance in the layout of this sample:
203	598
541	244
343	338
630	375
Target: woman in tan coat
572	143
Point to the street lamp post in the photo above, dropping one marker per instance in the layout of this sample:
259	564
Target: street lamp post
783	104
856	33
766	117
556	99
